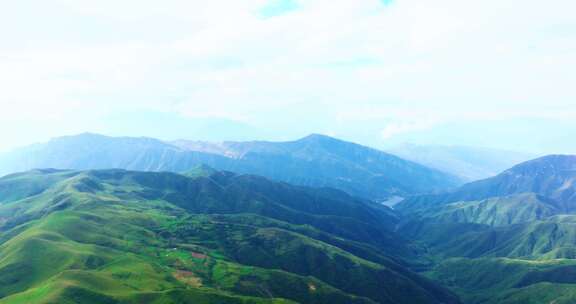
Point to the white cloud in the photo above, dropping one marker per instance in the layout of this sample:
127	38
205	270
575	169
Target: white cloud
350	61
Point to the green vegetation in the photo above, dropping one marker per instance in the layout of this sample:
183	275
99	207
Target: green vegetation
497	211
116	236
508	239
504	280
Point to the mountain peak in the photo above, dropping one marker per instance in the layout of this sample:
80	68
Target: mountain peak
201	170
549	163
317	137
83	136
328	141
89	134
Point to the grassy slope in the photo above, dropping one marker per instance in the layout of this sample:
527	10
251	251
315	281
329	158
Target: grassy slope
113	241
503	280
70	255
499	211
551	238
507	239
509	264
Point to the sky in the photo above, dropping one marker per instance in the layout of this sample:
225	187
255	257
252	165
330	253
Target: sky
492	73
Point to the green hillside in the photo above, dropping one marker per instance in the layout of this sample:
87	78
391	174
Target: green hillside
496	211
508	239
115	236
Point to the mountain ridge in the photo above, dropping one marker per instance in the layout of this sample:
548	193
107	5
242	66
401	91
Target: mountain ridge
552	176
315	160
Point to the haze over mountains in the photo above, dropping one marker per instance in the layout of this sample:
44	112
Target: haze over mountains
469	163
315	160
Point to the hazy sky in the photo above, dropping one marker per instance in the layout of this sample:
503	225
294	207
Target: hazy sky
497	73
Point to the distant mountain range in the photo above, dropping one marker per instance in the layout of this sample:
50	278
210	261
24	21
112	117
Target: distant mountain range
116	236
315	160
469	163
